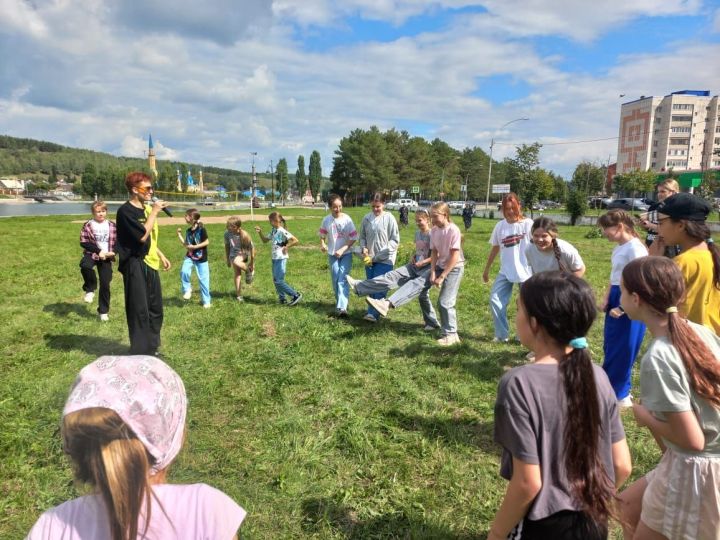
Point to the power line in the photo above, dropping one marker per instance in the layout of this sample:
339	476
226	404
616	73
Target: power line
641	134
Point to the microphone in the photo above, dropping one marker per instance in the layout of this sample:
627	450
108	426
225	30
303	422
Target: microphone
167	212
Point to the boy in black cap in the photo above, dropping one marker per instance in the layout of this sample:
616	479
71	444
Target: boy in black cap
681	220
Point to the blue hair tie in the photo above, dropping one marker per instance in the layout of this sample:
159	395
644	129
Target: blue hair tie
578	343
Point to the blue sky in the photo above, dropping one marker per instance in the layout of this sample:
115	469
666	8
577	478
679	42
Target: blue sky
213	82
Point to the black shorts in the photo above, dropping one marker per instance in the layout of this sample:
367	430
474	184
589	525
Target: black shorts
565	525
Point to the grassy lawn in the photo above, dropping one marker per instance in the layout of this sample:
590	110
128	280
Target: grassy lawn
320	428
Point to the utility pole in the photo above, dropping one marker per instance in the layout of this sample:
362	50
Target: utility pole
252	188
492	143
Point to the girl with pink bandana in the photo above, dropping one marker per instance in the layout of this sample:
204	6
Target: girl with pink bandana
122	427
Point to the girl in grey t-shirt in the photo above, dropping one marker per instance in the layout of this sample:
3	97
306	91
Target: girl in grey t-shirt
564	448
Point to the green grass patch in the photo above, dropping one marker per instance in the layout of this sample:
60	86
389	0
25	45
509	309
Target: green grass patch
320	428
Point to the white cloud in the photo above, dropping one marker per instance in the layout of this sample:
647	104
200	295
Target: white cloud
212	101
19	16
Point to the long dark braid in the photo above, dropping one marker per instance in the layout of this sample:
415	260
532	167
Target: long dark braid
549	226
564	306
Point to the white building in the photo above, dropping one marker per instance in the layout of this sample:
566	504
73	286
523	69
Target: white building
678	131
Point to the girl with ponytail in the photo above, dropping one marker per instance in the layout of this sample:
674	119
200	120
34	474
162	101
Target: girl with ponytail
548	252
122	427
564	448
680	391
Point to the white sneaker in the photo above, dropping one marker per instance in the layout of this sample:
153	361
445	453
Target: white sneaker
240	299
429	328
625	402
380	304
187	295
352	282
448	340
89	296
370	318
207	306
104	317
498	340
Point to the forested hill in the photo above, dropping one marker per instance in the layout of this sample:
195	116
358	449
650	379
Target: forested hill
42	160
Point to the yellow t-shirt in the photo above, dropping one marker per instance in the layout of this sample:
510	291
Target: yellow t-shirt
152	259
702	303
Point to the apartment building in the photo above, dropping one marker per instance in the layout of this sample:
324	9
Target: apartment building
679	131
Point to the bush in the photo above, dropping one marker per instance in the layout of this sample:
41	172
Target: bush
595	232
577	204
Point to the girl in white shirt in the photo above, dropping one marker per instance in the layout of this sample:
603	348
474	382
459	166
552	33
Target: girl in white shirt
510	239
623	336
548	252
337	235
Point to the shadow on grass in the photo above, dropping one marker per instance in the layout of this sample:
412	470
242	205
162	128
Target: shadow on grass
464	430
319	514
63	309
93	345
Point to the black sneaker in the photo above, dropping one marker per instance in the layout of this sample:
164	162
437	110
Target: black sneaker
282	302
295	299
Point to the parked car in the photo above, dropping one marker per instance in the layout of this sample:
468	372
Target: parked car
630	204
425	203
550	204
395	205
599	202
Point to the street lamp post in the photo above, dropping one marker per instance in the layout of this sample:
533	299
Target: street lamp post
492	143
252	186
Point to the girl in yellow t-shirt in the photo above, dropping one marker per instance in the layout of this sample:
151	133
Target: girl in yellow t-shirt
681	220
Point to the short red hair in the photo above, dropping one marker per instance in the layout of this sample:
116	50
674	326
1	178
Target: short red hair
134	179
512	198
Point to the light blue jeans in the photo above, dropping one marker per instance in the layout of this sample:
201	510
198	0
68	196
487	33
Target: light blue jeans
339	268
499	300
279	267
375	270
203	273
446	301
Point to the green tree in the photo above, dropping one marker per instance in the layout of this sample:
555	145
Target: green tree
577	204
473	171
315	173
589	178
300	177
636	182
524	180
281	176
89	180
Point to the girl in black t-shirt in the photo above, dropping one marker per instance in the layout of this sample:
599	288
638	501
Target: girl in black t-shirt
195	241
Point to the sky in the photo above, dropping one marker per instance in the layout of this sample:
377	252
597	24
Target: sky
217	80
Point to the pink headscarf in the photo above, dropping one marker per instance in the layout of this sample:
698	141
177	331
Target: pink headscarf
145	393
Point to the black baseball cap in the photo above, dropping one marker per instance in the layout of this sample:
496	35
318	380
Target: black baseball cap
685	206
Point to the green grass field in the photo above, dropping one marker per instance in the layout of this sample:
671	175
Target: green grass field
318	427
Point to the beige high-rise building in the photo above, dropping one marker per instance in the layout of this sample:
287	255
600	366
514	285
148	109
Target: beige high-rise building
678	131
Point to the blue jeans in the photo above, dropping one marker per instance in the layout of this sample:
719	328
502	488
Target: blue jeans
339	268
375	270
621	345
203	272
499	299
279	267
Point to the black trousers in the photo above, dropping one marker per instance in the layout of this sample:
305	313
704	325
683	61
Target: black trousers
90	282
143	306
563	525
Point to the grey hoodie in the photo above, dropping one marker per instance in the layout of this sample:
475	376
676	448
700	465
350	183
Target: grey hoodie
381	237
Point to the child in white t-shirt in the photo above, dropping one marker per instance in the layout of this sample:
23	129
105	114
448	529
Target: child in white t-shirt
548	252
337	235
97	238
510	238
280	241
623	336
